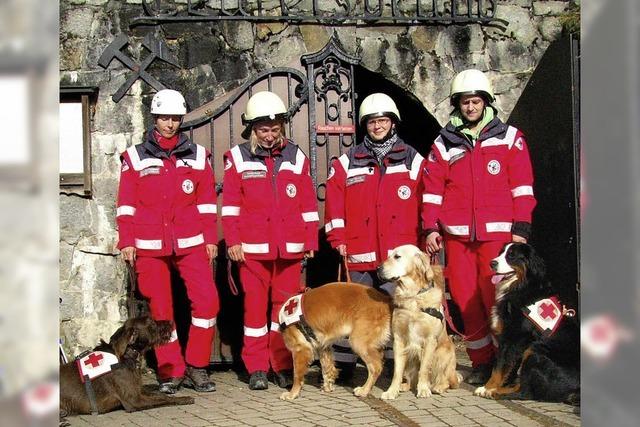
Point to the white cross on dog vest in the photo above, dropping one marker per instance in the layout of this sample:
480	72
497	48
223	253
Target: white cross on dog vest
291	311
95	364
546	314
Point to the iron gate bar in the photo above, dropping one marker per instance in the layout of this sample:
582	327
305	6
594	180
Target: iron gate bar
368	12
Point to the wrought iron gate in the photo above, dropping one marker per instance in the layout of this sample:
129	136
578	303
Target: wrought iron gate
320	97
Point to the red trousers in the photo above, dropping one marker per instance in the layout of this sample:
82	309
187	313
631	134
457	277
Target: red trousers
154	282
471	289
265	281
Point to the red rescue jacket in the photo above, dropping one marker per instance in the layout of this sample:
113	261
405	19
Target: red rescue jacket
269	204
166	202
482	192
373	209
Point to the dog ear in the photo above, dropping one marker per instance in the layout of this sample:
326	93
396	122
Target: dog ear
424	266
536	269
121	339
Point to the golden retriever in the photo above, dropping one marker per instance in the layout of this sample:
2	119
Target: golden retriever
421	347
328	313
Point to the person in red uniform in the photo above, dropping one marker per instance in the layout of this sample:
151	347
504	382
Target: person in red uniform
479	196
166	214
373	201
270	222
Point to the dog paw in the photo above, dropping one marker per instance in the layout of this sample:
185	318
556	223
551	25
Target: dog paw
405	387
484	392
389	395
287	395
423	391
328	386
439	389
360	392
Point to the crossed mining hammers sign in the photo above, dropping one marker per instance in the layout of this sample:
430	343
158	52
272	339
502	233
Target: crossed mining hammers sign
158	50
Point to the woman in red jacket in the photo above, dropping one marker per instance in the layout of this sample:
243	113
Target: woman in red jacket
374	201
479	194
167	217
270	222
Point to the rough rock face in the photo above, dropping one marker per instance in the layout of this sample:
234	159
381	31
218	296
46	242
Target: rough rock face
216	58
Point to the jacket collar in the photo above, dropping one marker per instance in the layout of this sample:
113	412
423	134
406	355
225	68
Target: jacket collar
275	151
182	148
363	156
494	128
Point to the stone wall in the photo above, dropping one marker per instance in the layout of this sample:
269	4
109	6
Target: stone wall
215	58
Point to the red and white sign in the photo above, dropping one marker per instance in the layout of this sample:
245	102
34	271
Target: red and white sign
336	129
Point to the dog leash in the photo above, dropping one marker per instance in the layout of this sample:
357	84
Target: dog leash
435	260
230	280
343	260
133	281
302	287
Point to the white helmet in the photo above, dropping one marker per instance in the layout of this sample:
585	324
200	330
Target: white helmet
378	105
264	106
168	101
471	82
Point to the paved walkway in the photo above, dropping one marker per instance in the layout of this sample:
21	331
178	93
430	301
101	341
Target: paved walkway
233	404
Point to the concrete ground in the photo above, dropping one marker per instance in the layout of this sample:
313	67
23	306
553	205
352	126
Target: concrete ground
233	404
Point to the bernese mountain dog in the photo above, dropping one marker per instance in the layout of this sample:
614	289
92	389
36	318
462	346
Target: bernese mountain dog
538	337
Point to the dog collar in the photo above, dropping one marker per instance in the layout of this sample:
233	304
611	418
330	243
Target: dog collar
433	312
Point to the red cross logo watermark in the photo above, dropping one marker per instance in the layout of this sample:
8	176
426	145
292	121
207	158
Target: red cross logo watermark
547	311
94	360
291	307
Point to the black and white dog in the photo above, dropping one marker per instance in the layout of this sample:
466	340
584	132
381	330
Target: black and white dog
538	337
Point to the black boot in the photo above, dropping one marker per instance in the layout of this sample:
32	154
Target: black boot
169	385
480	374
258	381
284	378
346	373
198	379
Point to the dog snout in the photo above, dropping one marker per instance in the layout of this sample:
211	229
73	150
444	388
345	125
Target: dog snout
380	272
494	264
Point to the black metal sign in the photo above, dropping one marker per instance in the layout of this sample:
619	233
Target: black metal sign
331	12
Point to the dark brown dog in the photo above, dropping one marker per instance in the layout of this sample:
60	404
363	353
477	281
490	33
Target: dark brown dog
122	387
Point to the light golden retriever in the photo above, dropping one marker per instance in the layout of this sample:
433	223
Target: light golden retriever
421	347
330	312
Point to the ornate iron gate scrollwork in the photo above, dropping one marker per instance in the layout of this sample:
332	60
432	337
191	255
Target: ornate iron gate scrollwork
332	102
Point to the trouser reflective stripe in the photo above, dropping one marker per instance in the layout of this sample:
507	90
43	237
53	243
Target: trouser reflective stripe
471	289
263	280
154	280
